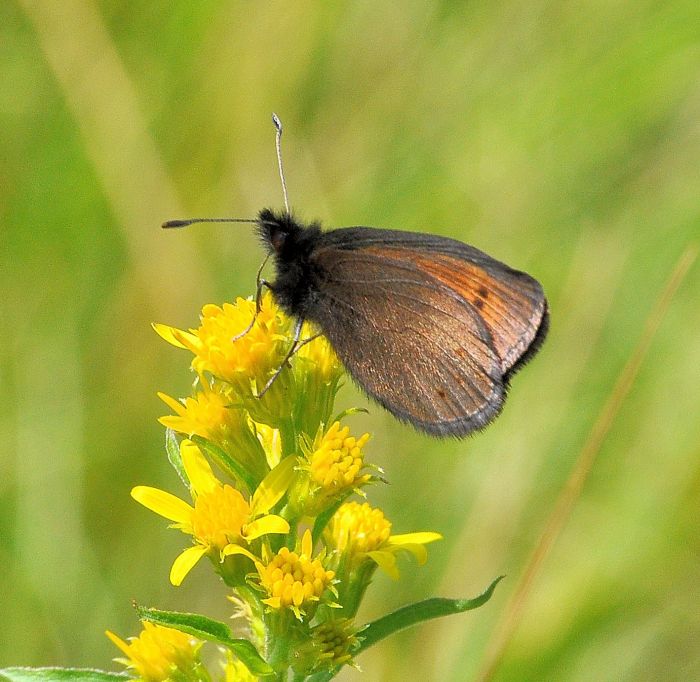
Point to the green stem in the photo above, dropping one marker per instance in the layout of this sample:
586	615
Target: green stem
289	437
278	641
257	623
353	586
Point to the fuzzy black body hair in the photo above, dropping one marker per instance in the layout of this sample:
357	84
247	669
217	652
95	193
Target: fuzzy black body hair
291	244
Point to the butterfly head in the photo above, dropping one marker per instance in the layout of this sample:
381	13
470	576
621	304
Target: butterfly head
277	229
285	237
291	243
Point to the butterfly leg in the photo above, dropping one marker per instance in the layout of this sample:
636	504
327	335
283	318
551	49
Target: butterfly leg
259	284
292	349
305	341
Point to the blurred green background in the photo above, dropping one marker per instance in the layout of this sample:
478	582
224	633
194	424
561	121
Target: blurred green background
561	137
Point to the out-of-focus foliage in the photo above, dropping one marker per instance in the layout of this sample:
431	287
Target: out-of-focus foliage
563	138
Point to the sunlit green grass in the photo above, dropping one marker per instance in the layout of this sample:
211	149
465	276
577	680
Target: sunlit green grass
562	138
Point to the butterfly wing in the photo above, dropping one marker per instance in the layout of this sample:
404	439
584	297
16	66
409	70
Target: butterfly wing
429	327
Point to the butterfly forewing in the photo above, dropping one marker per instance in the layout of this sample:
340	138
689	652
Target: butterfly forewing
511	304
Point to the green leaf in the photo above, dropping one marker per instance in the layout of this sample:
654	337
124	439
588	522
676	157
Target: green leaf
210	630
348	413
405	617
227	463
60	675
417	613
172	448
325	516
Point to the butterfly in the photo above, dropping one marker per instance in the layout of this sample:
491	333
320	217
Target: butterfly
431	328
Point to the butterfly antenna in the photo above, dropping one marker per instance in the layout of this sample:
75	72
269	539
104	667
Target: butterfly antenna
278	145
192	221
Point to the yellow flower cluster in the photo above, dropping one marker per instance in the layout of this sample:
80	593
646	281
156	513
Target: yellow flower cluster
358	528
338	460
283	466
294	579
219	516
331	468
242	348
320	355
221	521
157	652
361	533
208	414
221	350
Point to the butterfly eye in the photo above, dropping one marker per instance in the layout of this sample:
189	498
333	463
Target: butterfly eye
277	239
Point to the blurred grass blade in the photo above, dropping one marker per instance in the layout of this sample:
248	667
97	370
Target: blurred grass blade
210	630
584	463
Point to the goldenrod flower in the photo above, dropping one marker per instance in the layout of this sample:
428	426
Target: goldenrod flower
211	414
334	640
294	579
358	531
320	356
221	521
247	360
208	414
158	652
338	461
334	466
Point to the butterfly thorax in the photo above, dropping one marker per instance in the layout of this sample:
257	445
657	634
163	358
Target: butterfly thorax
291	243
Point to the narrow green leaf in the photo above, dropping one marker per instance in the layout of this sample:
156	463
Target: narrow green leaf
172	448
325	516
348	413
405	617
192	623
210	630
419	612
227	463
60	675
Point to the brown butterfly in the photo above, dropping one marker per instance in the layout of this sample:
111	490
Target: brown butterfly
431	328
